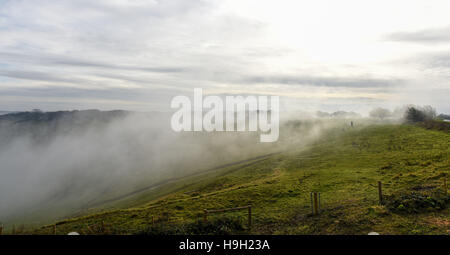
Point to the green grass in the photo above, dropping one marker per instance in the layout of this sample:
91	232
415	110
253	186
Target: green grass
344	166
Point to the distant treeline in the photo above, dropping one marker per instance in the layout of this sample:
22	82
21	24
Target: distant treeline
338	114
444	116
409	113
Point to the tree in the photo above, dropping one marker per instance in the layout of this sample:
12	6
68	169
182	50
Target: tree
380	113
430	112
321	114
418	114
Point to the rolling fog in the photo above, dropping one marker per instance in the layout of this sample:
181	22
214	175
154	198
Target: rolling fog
55	166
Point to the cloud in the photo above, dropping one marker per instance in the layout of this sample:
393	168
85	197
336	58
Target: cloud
343	82
440	60
171	44
139	46
61	60
425	36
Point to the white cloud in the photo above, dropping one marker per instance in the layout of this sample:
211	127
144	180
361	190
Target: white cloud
175	45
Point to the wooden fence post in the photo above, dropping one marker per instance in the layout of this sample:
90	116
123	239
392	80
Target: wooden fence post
316	204
445	184
21	228
205	216
249	217
320	203
380	193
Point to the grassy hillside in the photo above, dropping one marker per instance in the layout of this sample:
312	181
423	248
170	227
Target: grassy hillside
344	165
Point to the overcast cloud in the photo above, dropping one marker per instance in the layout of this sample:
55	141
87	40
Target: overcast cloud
137	54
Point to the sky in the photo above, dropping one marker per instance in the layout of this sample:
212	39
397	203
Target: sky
139	54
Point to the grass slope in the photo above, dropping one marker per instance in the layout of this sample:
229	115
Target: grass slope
344	165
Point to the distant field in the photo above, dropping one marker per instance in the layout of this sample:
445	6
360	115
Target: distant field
344	166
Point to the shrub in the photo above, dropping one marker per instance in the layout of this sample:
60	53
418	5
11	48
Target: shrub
416	202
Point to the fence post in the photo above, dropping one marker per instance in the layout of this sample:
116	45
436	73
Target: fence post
316	204
380	193
320	203
445	184
249	217
1	229
205	216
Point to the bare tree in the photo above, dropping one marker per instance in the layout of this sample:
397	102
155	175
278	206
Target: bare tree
380	113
